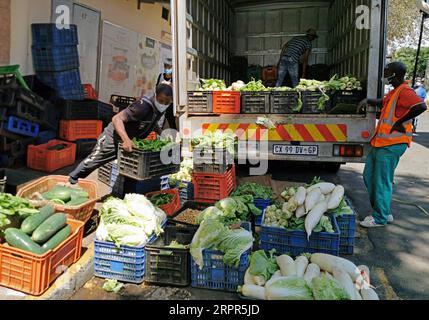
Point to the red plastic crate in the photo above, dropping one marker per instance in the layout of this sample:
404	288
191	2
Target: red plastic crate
90	92
72	130
226	102
42	159
171	208
269	73
152	136
212	187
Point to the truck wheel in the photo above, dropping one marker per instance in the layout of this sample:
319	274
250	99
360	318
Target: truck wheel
333	167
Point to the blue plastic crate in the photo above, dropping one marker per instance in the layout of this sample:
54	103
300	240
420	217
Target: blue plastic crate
55	58
347	225
124	263
22	127
49	34
215	275
46	136
186	191
261	204
67	83
295	243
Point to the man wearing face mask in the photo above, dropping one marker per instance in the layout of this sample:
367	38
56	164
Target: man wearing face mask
137	121
167	78
393	135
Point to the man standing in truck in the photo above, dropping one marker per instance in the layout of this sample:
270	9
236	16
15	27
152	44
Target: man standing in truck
393	135
137	121
291	55
167	78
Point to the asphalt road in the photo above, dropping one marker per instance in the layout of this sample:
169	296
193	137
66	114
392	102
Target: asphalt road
397	255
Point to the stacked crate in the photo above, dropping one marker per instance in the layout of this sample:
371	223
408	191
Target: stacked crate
56	59
23	114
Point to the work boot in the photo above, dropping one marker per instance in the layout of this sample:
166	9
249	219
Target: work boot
370	223
389	218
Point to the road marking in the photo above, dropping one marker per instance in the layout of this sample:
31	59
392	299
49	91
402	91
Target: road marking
390	294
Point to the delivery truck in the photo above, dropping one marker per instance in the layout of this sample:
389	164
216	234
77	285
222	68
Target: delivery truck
208	34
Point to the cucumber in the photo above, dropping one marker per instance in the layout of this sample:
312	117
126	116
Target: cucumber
31	223
57	239
49	227
18	239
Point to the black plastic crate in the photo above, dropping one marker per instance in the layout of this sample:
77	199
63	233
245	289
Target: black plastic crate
170	266
84	147
200	102
141	165
255	102
121	102
310	101
284	102
8	80
10	96
50	58
26	111
41	89
105	113
79	110
19	147
51	116
212	161
104	173
346	97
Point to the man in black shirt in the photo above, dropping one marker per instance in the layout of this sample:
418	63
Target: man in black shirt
137	121
167	78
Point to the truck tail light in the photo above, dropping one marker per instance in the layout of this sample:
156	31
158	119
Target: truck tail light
348	151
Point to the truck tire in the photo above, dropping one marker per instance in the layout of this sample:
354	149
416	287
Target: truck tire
333	167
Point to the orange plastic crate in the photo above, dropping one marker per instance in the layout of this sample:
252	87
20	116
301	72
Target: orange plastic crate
42	159
212	187
33	274
171	208
90	92
72	130
152	136
226	102
44	184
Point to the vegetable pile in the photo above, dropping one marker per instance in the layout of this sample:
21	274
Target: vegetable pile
161	199
151	145
40	232
67	196
129	222
253	189
185	173
309	277
188	216
212	85
215	140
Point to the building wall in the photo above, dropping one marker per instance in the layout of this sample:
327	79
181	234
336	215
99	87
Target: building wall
4	31
146	21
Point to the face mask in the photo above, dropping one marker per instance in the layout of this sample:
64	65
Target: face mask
388	80
168	71
161	107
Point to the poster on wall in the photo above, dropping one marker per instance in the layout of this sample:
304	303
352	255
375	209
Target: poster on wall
118	61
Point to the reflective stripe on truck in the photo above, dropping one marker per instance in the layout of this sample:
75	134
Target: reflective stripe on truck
284	132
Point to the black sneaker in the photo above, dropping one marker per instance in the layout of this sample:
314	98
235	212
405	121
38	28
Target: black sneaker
72	181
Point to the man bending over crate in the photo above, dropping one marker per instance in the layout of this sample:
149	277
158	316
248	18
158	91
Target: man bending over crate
137	121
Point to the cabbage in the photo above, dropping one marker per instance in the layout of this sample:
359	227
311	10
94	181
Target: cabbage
328	289
211	213
140	206
263	266
228	205
234	243
126	235
289	288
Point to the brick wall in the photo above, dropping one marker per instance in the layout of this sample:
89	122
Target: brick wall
4	31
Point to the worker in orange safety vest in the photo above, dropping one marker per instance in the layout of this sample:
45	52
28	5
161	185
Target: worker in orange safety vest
393	135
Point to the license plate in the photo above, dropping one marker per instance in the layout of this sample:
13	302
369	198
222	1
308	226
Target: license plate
282	149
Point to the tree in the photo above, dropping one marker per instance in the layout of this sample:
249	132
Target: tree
408	56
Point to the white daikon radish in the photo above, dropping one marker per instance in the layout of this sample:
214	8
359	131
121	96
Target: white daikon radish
357	295
327	275
321	198
300	212
287	265
254	292
314	217
325	187
300	195
313	271
369	294
276	275
336	197
328	262
365	278
248	278
301	264
345	281
311	199
259	281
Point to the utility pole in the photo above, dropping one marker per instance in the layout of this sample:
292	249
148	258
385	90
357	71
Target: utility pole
424	9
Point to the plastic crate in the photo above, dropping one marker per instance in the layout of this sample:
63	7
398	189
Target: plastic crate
10	75
171	207
104	173
122	263
105	113
25	111
79	110
261	204
310	100
44	184
42	159
41	89
46	136
255	102
121	102
22	127
212	187
254	73
212	160
90	92
84	147
186	191
215	275
66	83
295	243
170	266
50	34
284	102
269	73
165	184
55	58
51	116
347	225
72	130
33	274
141	165
200	102
226	102
3	181
190	205
347	97
9	97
